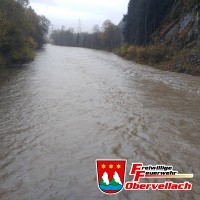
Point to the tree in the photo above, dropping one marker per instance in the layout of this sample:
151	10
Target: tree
143	18
23	2
96	42
109	38
108	35
21	30
4	25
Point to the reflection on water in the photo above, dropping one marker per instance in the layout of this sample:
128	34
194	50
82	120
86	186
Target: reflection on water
72	106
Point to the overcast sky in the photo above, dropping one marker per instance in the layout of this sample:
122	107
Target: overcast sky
90	12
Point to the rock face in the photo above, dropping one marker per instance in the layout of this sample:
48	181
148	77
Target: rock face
180	32
189	18
183	30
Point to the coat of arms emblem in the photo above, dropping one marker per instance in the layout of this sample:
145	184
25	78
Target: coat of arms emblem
111	175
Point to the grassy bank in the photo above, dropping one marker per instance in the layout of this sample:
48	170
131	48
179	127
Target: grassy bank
163	57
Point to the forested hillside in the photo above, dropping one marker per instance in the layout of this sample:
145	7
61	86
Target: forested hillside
21	31
143	18
164	34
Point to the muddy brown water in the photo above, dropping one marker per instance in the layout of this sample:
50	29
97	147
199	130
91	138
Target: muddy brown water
72	106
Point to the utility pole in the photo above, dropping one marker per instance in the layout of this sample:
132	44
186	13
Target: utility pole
79	26
78	40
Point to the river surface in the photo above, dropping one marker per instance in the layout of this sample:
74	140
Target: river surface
72	106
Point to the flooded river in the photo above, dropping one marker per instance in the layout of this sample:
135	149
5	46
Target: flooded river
72	106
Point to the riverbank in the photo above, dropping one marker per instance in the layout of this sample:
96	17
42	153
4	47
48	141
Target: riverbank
174	45
22	32
163	57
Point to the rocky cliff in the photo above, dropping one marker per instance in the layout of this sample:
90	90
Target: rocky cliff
180	31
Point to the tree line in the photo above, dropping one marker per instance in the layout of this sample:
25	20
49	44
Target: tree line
21	31
143	19
108	37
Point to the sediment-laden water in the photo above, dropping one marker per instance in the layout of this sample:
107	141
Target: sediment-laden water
72	106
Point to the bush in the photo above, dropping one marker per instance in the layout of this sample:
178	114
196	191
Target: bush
152	54
133	52
122	51
156	53
23	55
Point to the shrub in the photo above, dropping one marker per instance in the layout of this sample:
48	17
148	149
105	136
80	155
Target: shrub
131	52
153	54
123	49
156	53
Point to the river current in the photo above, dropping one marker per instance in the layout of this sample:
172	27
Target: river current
71	106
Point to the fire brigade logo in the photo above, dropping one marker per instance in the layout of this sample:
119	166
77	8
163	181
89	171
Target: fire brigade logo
110	175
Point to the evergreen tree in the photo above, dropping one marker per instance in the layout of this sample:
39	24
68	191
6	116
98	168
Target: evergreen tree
143	18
